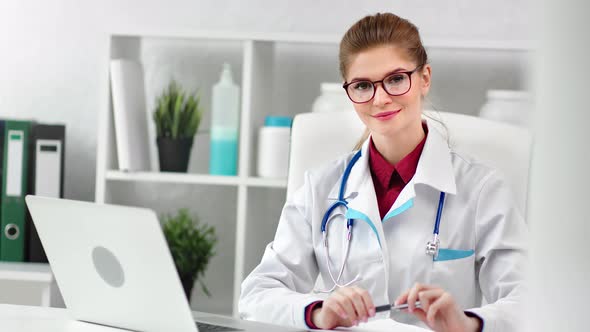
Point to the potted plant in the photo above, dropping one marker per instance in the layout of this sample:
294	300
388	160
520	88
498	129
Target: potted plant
177	120
192	246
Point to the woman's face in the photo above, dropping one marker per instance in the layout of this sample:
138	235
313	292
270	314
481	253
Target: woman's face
385	114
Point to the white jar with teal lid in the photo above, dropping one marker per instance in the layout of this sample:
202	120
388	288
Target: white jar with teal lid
274	142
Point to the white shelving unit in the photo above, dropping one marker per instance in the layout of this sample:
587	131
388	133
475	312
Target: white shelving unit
267	72
31	274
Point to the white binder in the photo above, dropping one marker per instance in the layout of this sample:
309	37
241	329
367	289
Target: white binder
48	168
14	163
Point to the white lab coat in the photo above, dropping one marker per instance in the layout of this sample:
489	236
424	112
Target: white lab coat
479	214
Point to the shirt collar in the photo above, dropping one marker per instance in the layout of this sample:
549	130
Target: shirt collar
406	168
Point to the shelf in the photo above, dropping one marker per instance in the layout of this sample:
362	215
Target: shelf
36	272
188	178
266	183
169	177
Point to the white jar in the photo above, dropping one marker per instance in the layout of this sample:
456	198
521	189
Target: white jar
332	98
509	106
274	142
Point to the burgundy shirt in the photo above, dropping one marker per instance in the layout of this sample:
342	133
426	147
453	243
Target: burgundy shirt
389	180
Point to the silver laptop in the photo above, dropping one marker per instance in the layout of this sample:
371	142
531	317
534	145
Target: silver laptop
113	267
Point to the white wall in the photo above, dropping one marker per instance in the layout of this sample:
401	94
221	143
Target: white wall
54	53
560	178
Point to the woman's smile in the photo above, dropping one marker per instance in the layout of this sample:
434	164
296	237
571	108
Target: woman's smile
384	116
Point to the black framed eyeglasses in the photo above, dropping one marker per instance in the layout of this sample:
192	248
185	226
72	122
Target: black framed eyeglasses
395	84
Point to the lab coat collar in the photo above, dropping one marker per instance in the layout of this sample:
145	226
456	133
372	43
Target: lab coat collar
435	167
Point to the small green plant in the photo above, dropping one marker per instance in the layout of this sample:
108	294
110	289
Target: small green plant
192	246
177	116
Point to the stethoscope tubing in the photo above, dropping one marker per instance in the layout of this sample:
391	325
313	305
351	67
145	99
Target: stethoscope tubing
349	225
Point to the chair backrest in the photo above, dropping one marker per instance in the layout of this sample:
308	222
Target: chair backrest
317	138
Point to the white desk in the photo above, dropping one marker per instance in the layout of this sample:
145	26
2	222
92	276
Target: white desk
16	318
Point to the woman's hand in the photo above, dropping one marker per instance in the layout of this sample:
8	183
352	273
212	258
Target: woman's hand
438	309
347	307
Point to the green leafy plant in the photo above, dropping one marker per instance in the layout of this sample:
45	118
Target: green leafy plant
177	116
192	246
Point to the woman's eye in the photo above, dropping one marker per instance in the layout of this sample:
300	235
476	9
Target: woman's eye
395	79
362	85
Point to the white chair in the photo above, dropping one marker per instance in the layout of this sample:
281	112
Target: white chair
317	138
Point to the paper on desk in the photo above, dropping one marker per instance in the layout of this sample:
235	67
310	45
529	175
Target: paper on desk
386	324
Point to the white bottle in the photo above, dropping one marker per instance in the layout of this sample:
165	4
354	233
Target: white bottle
274	142
332	98
509	106
224	125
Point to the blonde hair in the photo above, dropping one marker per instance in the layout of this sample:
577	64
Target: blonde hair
378	30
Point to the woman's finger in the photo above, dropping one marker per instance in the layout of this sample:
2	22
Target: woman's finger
357	301
335	307
427	297
443	302
421	315
346	303
368	301
413	296
402	298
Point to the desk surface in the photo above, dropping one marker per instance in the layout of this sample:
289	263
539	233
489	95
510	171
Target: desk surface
16	318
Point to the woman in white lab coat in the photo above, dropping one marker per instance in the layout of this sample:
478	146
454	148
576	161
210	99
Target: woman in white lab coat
404	171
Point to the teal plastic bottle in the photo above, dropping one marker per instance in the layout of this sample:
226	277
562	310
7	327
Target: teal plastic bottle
224	125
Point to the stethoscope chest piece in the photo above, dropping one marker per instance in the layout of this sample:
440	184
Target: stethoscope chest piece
432	246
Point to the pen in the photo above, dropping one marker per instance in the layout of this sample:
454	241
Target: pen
388	307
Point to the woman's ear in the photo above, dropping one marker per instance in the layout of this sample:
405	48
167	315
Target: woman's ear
425	75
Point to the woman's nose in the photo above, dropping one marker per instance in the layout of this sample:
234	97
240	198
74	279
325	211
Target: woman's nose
381	97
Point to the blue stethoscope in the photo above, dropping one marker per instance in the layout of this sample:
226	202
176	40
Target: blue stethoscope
431	247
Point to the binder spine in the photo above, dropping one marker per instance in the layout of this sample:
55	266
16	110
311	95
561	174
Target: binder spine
46	178
1	173
14	184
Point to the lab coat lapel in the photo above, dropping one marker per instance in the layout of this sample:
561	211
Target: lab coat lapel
364	204
360	194
363	208
434	169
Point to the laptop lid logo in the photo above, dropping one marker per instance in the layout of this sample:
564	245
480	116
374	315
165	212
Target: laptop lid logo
108	267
